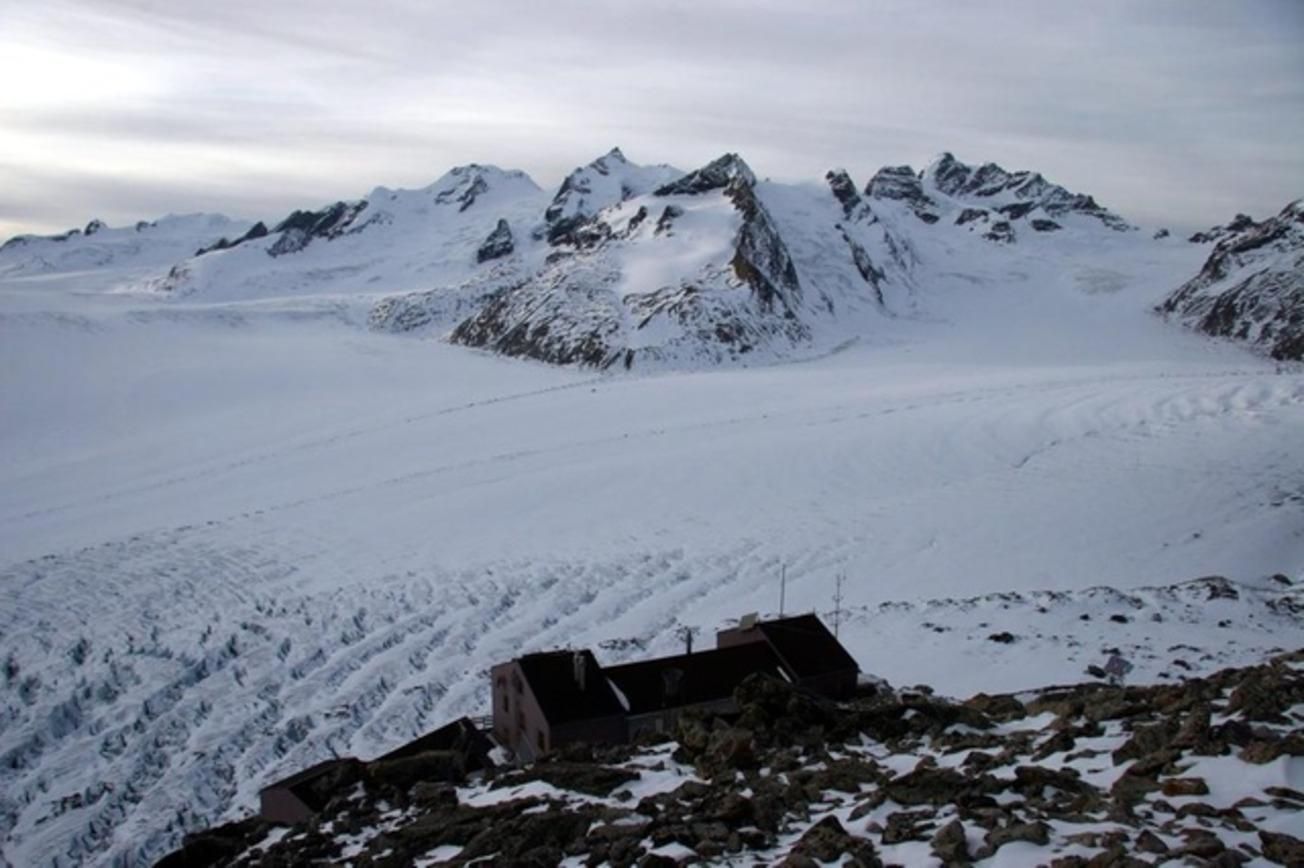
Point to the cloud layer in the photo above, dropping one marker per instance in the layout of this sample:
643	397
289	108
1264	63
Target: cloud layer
1170	112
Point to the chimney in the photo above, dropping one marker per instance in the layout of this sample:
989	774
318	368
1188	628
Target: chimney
581	670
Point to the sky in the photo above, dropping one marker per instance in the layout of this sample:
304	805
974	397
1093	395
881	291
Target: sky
1170	112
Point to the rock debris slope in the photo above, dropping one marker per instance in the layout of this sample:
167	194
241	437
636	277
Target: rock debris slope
1205	772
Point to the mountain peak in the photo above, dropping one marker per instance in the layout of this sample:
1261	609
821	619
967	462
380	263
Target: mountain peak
720	172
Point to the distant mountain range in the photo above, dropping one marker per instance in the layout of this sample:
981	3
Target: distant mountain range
635	266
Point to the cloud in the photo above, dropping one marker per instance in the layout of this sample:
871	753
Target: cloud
1168	111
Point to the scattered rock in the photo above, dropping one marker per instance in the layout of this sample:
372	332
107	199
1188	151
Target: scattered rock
1174	787
950	844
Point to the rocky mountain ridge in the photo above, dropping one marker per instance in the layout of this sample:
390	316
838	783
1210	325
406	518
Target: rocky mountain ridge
1084	775
628	265
1251	287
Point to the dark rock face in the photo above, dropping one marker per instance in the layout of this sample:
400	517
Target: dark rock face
468	185
258	230
954	178
844	190
576	185
762	260
1160	234
667	219
498	244
900	183
968	215
1251	287
299	229
717	174
1045	225
1001	232
93	227
570	313
1239	223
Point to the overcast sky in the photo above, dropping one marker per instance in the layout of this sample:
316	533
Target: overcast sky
1177	113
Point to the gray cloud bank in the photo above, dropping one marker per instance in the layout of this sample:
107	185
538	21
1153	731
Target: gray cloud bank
1178	113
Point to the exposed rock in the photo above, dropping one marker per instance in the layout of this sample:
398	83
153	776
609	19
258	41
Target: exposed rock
498	244
827	841
1034	833
1185	787
1001	232
258	230
950	844
1251	287
900	183
1045	225
1239	223
1282	848
715	175
1029	189
844	190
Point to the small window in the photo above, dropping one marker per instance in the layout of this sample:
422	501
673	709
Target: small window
507	702
542	745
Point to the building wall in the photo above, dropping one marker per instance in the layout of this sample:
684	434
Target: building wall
737	636
519	724
598	730
277	805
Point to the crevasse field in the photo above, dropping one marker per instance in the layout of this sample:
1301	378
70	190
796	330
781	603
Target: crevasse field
238	537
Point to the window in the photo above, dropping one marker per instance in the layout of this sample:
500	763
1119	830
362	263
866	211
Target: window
507	702
542	745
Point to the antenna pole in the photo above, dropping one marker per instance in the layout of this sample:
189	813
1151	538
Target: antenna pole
837	605
783	586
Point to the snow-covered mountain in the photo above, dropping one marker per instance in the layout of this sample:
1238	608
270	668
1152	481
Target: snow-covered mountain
391	240
146	245
1251	287
242	531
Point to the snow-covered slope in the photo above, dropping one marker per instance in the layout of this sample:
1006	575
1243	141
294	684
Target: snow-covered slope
239	531
1251	288
121	251
389	241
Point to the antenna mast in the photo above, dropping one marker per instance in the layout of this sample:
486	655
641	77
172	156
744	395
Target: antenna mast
783	586
837	604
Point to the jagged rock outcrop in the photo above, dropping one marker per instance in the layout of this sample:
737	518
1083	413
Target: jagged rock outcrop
498	244
1214	234
299	229
575	309
902	184
1024	188
609	179
258	230
1251	287
717	174
844	190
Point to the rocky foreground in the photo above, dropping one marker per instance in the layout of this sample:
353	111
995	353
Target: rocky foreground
1206	772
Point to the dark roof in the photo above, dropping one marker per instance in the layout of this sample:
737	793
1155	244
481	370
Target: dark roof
706	676
551	675
807	646
316	785
314	771
461	735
